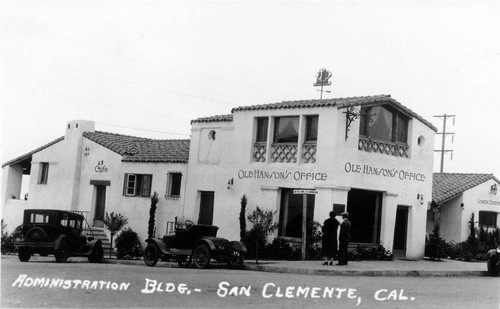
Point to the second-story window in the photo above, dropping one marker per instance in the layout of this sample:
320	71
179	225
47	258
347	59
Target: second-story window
286	130
137	185
311	129
44	173
262	124
384	124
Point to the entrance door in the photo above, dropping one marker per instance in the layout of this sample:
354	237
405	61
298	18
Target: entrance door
400	231
291	214
365	211
206	208
100	206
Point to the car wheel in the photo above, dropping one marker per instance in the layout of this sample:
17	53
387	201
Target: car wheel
151	255
97	254
235	259
493	268
24	254
201	256
62	252
184	261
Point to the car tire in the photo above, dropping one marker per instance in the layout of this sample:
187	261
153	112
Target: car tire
151	255
36	234
184	261
97	254
235	259
62	252
24	254
493	268
201	256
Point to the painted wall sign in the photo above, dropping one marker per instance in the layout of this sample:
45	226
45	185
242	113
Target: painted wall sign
488	202
384	172
100	167
282	175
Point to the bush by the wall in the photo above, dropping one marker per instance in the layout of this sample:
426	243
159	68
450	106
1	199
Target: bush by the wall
128	246
9	239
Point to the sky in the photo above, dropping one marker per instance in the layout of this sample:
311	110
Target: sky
147	68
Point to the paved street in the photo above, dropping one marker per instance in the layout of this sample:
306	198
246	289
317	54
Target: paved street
44	283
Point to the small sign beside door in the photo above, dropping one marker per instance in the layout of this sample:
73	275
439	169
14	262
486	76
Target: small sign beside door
300	191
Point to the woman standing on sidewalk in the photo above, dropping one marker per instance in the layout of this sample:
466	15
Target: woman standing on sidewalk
329	230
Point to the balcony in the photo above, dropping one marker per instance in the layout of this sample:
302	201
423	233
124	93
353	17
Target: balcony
388	148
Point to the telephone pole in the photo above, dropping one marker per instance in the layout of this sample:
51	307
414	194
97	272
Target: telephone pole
443	149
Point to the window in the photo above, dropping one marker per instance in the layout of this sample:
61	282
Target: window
262	124
286	130
311	128
44	173
39	218
137	185
487	219
174	185
384	124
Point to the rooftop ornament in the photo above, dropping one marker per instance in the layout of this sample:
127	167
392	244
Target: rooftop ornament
323	79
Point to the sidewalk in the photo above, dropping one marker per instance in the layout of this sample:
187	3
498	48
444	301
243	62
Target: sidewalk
396	268
443	268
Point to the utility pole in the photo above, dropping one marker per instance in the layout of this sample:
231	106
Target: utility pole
443	149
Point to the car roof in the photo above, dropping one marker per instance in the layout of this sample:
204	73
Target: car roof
69	213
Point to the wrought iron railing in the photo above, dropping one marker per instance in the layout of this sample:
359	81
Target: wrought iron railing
284	153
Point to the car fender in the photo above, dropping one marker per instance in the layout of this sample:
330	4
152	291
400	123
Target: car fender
159	244
206	241
57	242
491	253
238	245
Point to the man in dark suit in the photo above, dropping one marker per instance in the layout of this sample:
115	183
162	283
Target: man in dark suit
344	238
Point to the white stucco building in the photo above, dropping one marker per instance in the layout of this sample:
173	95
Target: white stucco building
371	156
96	172
456	196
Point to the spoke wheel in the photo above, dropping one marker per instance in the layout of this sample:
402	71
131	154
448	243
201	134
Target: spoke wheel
235	259
151	255
97	254
184	261
62	253
24	254
201	256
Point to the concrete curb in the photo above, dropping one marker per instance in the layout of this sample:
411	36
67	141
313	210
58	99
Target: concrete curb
330	272
367	273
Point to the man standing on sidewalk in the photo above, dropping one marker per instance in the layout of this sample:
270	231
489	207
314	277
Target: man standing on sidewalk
344	238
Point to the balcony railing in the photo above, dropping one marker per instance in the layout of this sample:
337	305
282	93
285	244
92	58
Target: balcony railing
387	148
284	153
259	152
309	153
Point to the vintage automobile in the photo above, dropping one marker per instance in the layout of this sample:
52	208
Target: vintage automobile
493	256
195	243
57	232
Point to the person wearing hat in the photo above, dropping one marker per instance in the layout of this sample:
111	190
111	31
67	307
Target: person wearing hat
329	246
344	238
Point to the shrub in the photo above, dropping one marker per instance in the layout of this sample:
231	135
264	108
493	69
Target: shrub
435	246
128	245
9	239
263	225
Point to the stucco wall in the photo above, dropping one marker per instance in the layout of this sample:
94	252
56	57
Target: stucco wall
339	165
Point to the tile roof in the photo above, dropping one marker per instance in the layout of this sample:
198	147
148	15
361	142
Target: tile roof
29	154
338	102
446	186
139	149
216	118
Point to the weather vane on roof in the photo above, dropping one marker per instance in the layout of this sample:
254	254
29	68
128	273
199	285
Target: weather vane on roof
323	79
